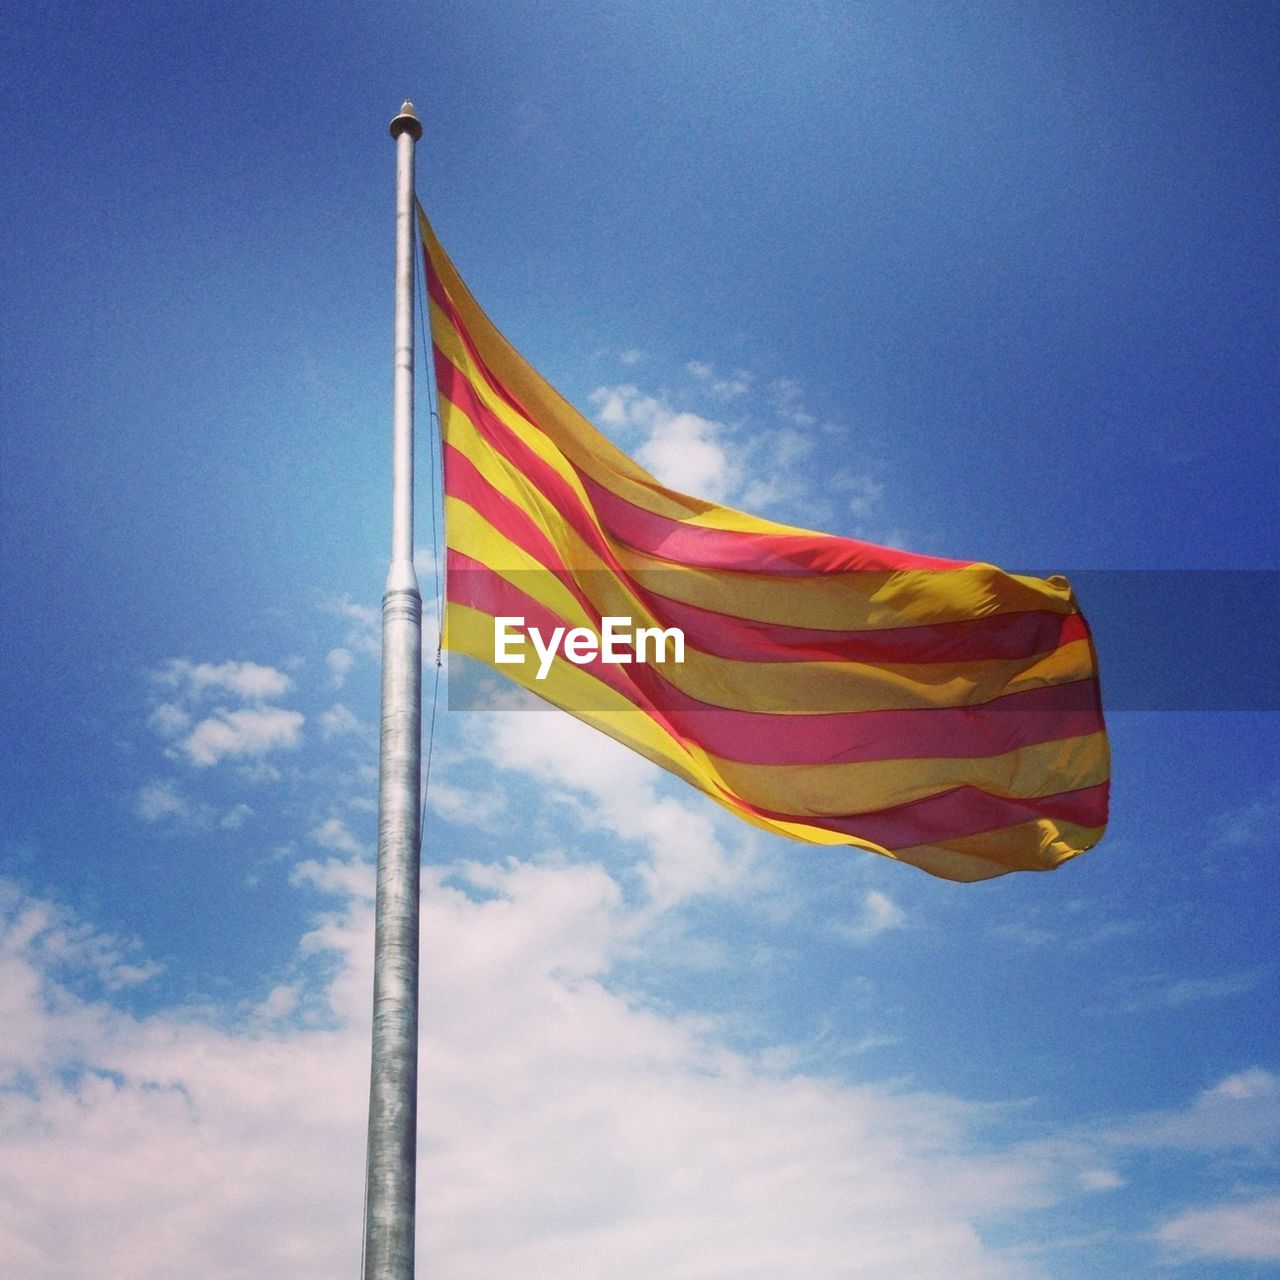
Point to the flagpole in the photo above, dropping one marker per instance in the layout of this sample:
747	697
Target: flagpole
393	1088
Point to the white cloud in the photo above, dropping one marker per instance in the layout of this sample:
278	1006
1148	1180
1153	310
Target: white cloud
683	450
157	801
351	878
333	833
623	406
1250	823
169	721
1019	931
1241	1112
1191	990
235	817
879	914
1243	1086
1176	993
566	1129
247	731
763	461
864	494
631	356
470	805
604	1137
788	402
50	937
339	662
339	721
609	787
738	383
365	633
249	681
1244	1232
280	1002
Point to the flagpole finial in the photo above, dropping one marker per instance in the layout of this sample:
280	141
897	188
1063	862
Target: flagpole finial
407	122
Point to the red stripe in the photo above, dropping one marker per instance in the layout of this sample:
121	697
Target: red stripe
436	290
994	637
963	811
992	728
706	548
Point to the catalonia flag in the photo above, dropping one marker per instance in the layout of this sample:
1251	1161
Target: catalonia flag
940	712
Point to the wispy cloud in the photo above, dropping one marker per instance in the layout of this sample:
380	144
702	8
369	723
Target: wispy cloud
235	817
58	944
684	450
246	680
157	801
1241	1112
761	460
788	402
1248	824
1244	1231
339	661
1162	992
605	1138
728	387
475	807
352	878
608	787
246	731
364	634
340	721
169	720
878	914
164	802
333	833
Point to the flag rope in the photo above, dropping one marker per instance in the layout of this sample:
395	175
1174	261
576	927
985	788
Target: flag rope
435	468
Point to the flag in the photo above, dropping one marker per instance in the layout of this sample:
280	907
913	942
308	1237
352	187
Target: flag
941	712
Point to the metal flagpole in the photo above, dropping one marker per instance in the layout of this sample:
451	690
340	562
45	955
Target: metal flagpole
393	1088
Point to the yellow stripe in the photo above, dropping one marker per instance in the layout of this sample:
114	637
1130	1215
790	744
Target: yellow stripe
863	786
1040	845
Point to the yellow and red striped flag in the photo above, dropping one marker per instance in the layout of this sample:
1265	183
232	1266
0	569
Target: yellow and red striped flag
940	712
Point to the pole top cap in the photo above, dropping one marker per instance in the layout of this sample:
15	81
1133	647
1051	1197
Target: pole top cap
407	122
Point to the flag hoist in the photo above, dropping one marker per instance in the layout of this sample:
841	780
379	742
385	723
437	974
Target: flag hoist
393	1090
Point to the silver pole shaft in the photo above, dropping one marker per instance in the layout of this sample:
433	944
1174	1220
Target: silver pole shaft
393	1090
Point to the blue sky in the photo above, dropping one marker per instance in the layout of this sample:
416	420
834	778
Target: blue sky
987	281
